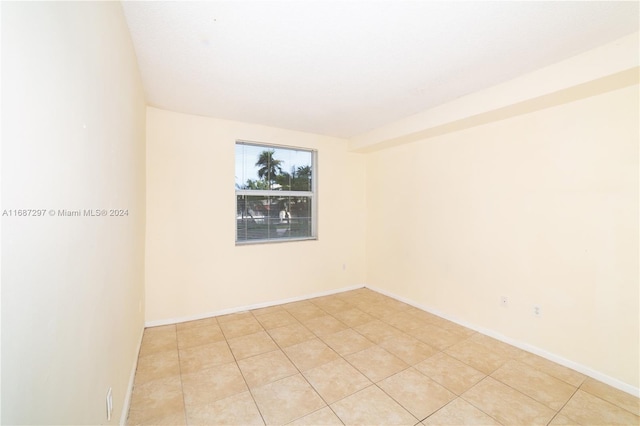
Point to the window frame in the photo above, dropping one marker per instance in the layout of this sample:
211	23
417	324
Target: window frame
312	195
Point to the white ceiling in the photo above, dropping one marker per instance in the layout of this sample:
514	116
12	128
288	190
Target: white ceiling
341	68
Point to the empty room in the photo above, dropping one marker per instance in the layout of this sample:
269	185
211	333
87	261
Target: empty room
320	212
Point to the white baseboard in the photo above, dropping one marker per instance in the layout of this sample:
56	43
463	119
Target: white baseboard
127	399
169	321
625	387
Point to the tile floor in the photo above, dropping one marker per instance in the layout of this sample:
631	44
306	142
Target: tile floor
356	358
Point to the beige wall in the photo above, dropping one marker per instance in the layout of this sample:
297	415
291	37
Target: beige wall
72	138
193	267
541	208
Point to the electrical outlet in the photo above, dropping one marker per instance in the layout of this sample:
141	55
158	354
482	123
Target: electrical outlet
537	311
109	404
504	301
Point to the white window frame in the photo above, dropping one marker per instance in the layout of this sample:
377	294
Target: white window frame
312	195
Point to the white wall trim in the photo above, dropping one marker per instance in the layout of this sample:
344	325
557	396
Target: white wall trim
618	384
170	321
127	398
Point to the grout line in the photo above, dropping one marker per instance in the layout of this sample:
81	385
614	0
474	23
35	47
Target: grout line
454	399
606	400
395	400
300	371
564	405
235	360
184	402
474	405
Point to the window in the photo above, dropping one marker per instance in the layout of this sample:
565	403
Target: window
275	195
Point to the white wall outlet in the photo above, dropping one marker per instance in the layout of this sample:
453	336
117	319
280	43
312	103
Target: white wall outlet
109	404
537	312
504	301
344	266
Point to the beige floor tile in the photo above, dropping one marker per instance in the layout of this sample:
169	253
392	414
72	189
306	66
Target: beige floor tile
365	303
324	325
408	348
436	336
291	335
310	354
379	309
551	368
251	344
423	316
206	386
306	312
158	339
157	402
366	295
560	420
176	418
335	308
204	356
371	406
276	319
328	299
240	327
239	409
459	412
347	342
376	363
234	317
353	317
157	366
504	349
362	291
403	321
380	338
552	392
586	409
331	304
267	310
455	328
160	331
612	395
352	296
454	375
507	405
377	331
190	337
323	417
375	296
197	323
477	356
396	304
266	368
286	400
336	380
417	393
298	306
